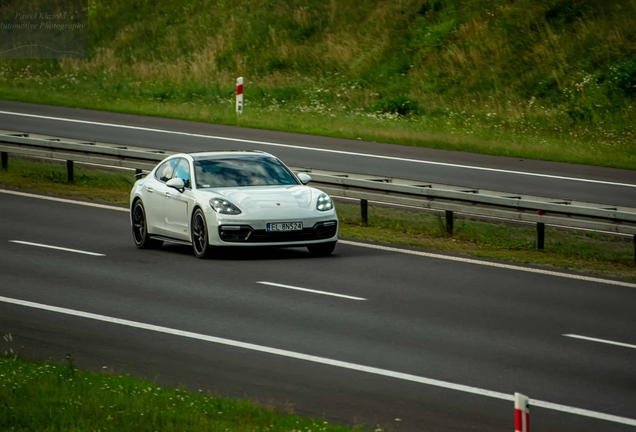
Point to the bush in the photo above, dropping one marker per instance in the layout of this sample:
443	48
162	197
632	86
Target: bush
400	105
578	111
624	75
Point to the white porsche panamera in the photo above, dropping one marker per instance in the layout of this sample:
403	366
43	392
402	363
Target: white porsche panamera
230	198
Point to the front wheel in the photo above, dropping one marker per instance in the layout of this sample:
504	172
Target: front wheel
321	249
140	228
200	244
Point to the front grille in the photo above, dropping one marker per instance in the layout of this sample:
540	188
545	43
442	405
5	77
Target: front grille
245	234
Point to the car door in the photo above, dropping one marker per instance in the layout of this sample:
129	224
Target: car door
154	193
178	204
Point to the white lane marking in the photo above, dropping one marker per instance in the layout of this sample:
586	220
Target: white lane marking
317	149
64	200
600	340
310	290
56	248
380	247
489	264
321	360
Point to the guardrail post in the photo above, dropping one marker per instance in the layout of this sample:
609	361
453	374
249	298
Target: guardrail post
540	235
522	413
5	160
364	211
69	171
449	222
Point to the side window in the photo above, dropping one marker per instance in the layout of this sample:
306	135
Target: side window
183	172
165	170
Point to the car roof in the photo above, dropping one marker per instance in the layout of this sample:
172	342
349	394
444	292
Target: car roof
218	154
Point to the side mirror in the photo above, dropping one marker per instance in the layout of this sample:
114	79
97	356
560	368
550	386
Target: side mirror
304	178
177	184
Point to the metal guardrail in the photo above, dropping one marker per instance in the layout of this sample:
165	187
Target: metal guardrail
568	213
448	198
79	150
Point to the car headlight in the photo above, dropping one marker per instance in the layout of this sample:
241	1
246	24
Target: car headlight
223	206
324	203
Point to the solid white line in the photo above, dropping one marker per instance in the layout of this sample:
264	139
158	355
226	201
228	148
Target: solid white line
489	264
379	247
321	360
64	200
310	290
315	149
600	340
56	247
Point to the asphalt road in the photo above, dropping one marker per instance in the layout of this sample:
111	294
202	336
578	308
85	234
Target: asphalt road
518	176
464	324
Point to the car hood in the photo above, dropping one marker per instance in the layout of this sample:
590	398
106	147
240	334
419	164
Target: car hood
267	197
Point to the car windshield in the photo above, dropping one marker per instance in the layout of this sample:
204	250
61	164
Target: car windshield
241	171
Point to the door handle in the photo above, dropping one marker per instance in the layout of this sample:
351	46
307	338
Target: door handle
167	194
149	189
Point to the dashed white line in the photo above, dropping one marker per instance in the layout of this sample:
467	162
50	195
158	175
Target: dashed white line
600	340
310	290
316	149
322	360
56	248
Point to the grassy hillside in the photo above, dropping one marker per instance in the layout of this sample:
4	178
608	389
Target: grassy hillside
549	79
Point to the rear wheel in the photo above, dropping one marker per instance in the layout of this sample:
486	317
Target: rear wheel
321	249
140	228
200	244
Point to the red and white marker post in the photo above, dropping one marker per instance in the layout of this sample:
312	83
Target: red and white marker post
239	95
522	413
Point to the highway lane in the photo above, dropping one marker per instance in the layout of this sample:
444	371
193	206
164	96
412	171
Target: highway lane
609	186
490	328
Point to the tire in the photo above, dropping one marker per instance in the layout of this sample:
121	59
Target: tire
322	249
140	228
199	233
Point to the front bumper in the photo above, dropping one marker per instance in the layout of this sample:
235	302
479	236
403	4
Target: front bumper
246	234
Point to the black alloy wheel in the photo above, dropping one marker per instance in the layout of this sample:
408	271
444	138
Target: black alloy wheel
140	228
200	243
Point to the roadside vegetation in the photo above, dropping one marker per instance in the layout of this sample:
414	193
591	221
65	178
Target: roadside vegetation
82	400
111	186
589	252
542	79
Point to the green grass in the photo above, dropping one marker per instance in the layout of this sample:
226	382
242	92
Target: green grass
540	79
582	251
45	396
51	178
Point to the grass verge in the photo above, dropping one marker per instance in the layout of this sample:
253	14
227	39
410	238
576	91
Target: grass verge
44	396
50	178
582	251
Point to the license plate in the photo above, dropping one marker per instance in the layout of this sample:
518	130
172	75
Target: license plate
285	226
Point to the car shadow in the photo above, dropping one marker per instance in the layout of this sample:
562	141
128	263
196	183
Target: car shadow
229	253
